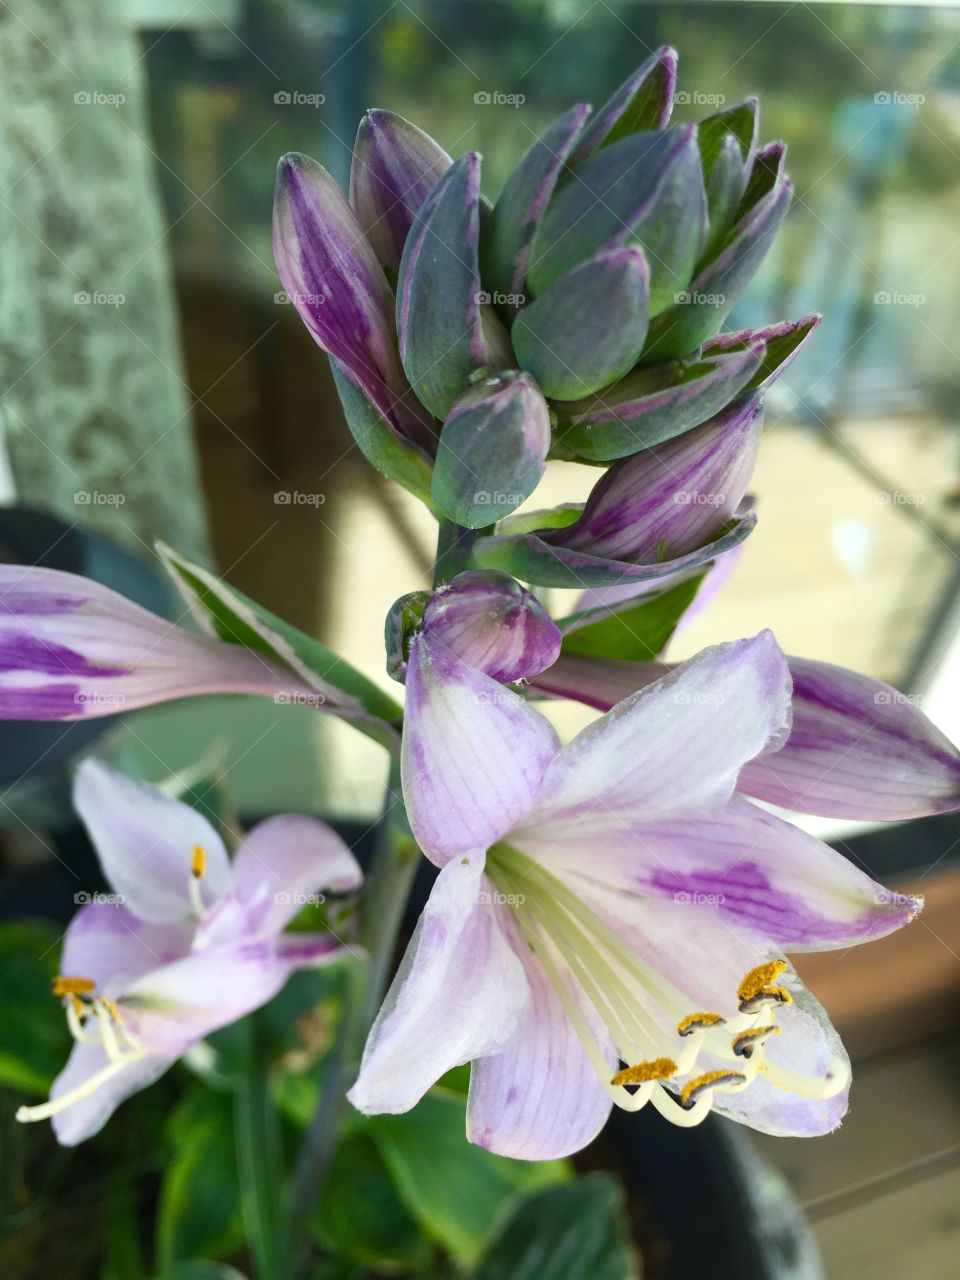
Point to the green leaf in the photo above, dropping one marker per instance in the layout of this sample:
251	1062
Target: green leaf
234	617
34	1041
361	1214
634	630
570	1232
199	1205
453	1189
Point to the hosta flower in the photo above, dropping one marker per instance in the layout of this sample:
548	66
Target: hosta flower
74	649
189	942
609	921
857	747
576	318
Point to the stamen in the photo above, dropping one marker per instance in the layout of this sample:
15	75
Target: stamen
697	1021
27	1115
198	869
744	1044
642	1072
709	1080
757	987
64	986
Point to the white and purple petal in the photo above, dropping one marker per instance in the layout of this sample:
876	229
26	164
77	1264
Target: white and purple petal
457	995
473	756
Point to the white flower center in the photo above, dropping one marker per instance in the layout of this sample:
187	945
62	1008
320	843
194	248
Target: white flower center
589	965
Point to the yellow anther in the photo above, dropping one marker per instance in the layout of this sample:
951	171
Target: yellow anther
744	1043
198	866
709	1080
759	984
64	986
697	1021
658	1069
79	1007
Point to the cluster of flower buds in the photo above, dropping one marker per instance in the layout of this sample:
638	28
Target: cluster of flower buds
576	318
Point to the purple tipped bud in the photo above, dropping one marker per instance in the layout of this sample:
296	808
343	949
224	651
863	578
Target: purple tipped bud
490	622
395	167
662	503
644	101
333	278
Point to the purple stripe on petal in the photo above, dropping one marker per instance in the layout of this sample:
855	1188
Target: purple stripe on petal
20	651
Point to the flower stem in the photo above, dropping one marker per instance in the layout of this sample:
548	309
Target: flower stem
454	544
259	1161
385	896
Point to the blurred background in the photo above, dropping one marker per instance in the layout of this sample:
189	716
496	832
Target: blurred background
158	384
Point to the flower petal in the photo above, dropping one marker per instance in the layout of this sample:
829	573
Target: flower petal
741	864
86	1117
456	997
473	753
170	1009
71	648
284	860
538	1098
145	842
858	749
677	744
111	946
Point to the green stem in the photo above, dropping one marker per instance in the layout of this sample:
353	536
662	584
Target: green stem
259	1161
386	891
454	544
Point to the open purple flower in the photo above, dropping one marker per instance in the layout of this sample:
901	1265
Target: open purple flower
609	922
189	942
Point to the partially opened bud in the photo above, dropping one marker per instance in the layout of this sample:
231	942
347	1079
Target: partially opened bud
485	619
